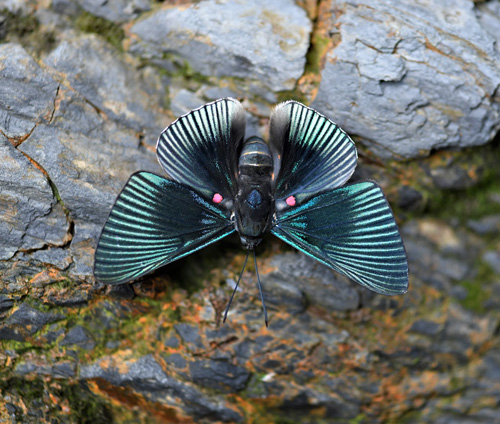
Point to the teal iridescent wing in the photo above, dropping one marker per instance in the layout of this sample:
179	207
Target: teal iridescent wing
352	230
312	153
200	149
155	221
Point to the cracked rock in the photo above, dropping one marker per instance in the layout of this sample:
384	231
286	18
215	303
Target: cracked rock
409	77
30	217
260	40
86	63
27	92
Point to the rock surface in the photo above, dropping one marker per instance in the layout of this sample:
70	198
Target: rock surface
79	114
411	77
260	41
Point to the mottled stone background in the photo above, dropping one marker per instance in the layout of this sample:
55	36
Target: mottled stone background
86	86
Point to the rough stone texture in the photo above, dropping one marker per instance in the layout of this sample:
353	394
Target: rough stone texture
79	116
27	93
30	217
410	77
260	40
86	64
299	278
116	10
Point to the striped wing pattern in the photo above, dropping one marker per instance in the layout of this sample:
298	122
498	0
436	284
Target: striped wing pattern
352	230
155	221
200	149
316	154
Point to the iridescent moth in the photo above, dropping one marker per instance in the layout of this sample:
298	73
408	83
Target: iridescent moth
219	183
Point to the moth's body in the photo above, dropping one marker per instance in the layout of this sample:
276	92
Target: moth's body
254	203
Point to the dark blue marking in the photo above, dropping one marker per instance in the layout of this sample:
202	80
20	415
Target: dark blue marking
254	198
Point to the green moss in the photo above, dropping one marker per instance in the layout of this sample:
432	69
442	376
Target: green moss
189	73
16	346
358	419
112	32
85	407
472	203
292	95
478	289
316	52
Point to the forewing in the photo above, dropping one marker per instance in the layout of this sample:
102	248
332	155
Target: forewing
154	221
313	153
352	230
200	149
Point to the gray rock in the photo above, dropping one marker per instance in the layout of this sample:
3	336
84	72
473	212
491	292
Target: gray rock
27	93
405	76
488	14
317	282
64	369
117	10
30	216
147	377
78	336
486	225
219	375
88	172
87	62
25	321
492	258
184	101
5	303
190	335
55	256
260	40
426	327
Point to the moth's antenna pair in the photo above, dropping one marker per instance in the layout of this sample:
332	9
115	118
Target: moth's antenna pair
258	283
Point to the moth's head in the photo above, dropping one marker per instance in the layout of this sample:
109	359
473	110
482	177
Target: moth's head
250	242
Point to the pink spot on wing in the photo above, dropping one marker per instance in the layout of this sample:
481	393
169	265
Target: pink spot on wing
290	201
217	198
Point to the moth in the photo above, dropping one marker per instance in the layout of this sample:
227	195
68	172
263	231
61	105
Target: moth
218	182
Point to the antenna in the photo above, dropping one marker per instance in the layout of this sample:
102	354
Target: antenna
236	287
260	287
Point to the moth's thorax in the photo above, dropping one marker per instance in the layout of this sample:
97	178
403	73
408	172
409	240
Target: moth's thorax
254	203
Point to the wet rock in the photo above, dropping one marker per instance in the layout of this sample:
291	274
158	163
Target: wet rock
382	82
78	336
219	375
254	42
298	276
